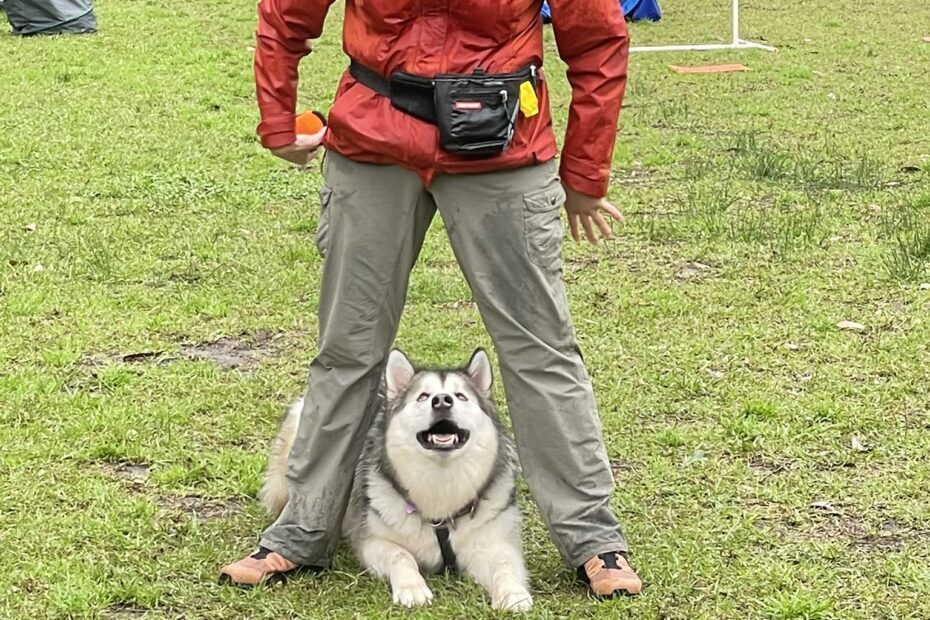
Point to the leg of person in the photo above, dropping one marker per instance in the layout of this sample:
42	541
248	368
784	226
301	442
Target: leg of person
372	225
506	233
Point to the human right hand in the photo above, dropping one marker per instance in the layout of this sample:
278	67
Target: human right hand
303	149
590	212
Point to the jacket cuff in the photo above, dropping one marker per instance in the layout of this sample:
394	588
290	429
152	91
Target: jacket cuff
582	177
277	132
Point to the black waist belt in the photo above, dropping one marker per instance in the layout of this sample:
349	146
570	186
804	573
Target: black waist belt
409	93
476	113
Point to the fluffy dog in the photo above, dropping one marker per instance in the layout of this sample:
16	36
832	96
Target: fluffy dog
434	488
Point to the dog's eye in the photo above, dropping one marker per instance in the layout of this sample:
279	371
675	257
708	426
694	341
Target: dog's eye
423	396
461	396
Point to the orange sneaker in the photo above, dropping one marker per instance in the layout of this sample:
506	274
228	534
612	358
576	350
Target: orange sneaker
264	567
609	574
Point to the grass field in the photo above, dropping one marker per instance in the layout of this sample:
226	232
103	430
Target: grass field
157	309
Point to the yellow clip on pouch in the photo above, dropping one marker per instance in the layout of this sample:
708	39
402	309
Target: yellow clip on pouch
529	102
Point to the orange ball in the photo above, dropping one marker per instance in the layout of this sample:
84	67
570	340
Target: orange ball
309	123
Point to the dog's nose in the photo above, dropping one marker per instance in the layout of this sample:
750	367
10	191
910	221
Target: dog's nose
441	402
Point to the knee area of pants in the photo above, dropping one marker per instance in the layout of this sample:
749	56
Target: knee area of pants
537	347
544	361
338	356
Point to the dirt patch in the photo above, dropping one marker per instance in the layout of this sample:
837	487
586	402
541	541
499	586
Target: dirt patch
29	585
137	472
147	357
619	466
91	375
767	467
249	444
132	475
200	508
241	352
458	304
582	262
121	611
852	530
830	523
228	352
692	271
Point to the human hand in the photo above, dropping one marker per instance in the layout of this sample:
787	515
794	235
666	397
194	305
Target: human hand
589	212
303	149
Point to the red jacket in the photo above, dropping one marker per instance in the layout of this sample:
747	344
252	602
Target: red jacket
442	36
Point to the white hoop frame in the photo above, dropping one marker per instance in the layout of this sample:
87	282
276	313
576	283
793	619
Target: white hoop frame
736	43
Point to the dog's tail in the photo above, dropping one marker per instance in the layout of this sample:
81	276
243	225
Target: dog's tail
273	494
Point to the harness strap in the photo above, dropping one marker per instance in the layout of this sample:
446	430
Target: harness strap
449	561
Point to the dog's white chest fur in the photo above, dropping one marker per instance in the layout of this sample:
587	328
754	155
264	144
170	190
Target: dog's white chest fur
399	544
392	517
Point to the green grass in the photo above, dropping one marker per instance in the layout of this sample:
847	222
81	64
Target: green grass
138	215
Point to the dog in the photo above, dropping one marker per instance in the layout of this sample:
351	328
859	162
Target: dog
435	487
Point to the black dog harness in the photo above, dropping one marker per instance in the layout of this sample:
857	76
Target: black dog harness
449	561
443	526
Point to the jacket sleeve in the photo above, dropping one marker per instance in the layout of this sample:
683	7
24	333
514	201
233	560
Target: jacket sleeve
282	39
592	39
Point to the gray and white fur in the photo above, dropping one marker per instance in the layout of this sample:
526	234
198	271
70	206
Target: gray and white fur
435	450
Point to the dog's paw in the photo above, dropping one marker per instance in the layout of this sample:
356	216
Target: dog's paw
412	594
512	600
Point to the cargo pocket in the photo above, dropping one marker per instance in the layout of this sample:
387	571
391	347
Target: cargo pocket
543	225
322	225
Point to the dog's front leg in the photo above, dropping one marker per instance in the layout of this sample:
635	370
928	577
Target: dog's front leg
498	566
391	561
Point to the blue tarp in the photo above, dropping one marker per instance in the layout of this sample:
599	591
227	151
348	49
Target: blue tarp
633	10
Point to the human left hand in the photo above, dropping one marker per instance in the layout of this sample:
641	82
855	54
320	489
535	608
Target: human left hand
303	149
589	212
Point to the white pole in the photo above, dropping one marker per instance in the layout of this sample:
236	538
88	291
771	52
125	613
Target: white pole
735	22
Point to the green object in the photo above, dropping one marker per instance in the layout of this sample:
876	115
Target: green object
30	17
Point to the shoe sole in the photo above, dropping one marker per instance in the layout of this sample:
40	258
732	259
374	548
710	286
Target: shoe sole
620	592
273	579
615	594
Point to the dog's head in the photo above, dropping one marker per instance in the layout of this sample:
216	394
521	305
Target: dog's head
440	414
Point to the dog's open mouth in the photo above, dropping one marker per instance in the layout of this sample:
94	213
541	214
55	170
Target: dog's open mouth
443	435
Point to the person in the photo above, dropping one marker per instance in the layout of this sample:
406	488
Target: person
35	17
387	171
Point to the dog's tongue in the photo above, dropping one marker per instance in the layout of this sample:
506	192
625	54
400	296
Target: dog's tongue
443	438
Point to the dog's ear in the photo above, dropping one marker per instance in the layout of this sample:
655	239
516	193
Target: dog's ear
398	373
479	371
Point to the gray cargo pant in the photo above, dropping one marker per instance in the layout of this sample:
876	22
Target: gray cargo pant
506	233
